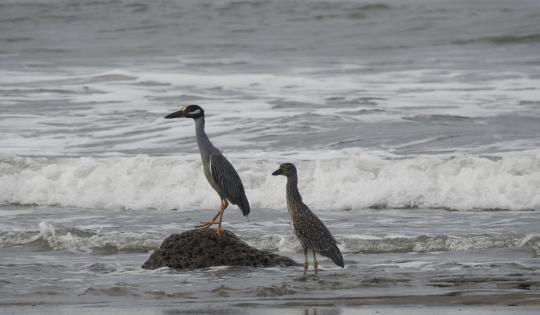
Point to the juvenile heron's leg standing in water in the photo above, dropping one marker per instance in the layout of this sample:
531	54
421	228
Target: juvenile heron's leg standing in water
315	263
306	263
311	232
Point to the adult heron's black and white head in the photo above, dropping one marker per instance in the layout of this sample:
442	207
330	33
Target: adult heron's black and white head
190	111
286	169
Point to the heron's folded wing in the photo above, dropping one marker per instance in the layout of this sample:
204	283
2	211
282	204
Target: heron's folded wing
228	181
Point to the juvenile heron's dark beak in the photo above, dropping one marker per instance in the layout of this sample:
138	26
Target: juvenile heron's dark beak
277	172
180	113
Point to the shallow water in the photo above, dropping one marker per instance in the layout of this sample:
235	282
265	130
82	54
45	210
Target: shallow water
57	255
415	127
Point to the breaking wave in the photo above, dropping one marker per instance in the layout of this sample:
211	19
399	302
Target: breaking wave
341	182
49	237
369	244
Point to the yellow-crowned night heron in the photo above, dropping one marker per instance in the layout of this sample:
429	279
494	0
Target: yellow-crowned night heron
218	170
309	229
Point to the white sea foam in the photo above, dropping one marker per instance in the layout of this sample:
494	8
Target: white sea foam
51	237
351	243
345	180
533	241
120	110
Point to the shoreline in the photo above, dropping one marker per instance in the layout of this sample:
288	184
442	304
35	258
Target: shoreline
451	299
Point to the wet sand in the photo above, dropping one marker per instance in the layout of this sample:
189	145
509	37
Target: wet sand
473	303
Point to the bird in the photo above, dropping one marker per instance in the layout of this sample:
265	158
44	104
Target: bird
310	230
219	172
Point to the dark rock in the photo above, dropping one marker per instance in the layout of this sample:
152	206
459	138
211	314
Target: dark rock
202	248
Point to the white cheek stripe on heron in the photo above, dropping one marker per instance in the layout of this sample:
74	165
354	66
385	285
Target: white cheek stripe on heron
195	112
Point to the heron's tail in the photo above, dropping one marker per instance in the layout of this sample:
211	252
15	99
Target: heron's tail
244	206
335	255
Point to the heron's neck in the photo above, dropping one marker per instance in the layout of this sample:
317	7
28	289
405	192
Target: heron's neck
202	139
294	199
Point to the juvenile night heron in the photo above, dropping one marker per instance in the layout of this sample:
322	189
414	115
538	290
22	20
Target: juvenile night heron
218	170
309	229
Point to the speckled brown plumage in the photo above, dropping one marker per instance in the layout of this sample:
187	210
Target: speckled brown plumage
309	229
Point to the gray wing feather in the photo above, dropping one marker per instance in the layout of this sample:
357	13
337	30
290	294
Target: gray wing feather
229	182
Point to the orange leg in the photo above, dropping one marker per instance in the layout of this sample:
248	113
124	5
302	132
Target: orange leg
224	205
205	225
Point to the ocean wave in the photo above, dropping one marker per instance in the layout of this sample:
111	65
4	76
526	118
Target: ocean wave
532	241
343	181
369	244
50	237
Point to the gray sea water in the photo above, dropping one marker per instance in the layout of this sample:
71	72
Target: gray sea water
415	126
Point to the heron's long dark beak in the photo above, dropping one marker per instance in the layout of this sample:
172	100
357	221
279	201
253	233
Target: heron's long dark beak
177	114
277	172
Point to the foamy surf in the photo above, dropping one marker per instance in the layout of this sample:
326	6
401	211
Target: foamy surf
101	111
352	244
54	237
341	181
49	237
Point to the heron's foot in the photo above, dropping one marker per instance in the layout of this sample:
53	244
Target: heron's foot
206	224
218	232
